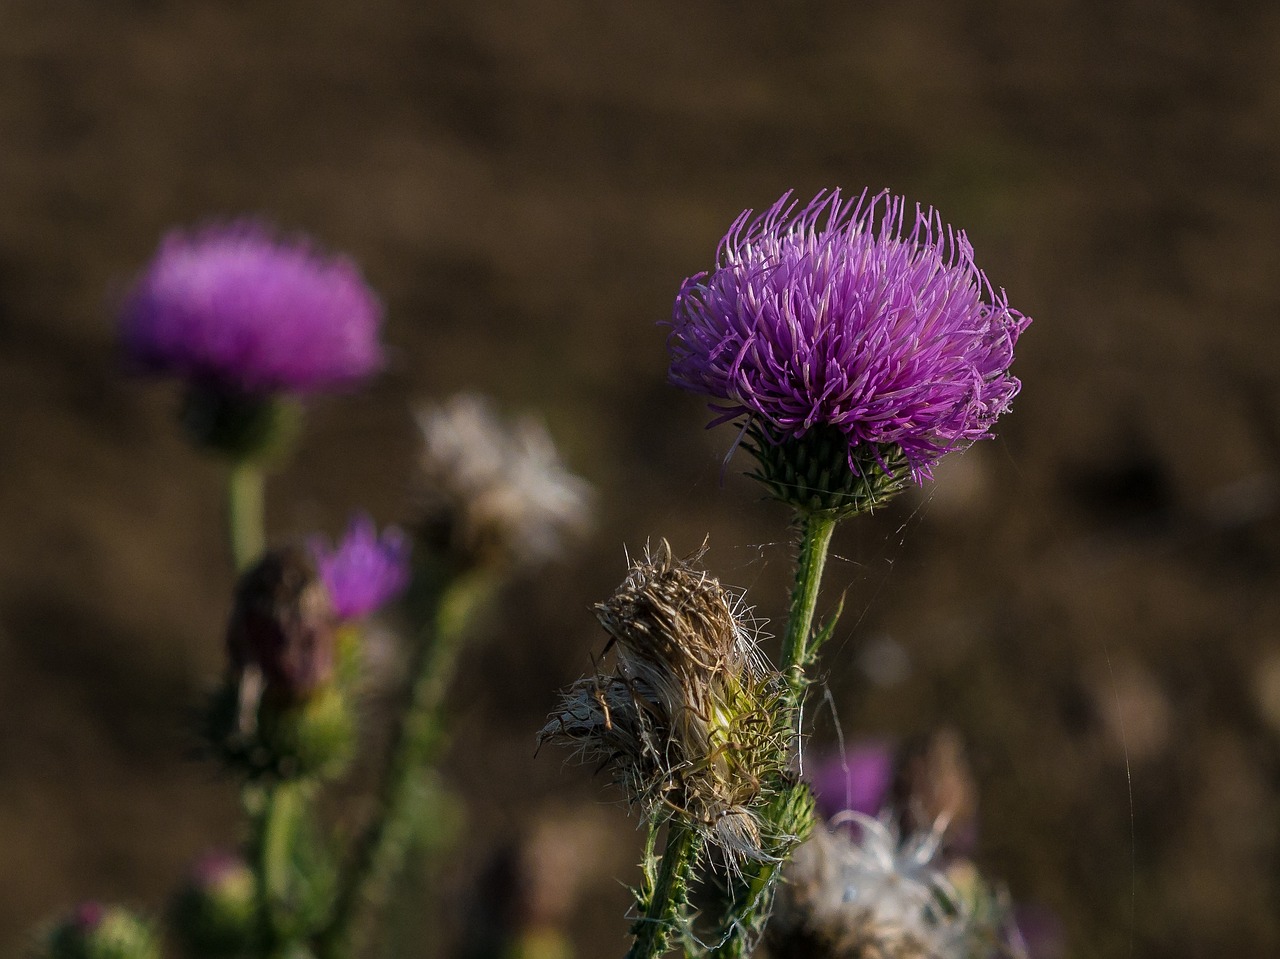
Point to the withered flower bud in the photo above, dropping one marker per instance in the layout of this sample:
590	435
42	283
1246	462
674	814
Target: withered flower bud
283	624
691	717
284	709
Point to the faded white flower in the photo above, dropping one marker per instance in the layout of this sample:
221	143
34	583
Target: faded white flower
494	491
870	893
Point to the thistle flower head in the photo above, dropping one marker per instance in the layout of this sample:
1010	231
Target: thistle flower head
365	571
495	492
691	717
870	894
232	307
859	328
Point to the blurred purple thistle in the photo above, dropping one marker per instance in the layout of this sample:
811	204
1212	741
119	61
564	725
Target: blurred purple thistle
837	315
232	307
858	779
365	571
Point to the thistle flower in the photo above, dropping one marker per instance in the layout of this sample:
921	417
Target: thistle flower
691	718
859	779
495	492
855	349
232	307
873	895
366	570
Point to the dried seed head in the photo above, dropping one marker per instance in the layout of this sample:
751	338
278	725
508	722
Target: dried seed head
690	718
493	491
871	893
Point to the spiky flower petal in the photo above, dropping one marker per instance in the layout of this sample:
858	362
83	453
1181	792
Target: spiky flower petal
495	491
232	307
858	320
690	718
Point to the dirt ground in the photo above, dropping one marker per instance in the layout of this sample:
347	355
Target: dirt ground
1090	600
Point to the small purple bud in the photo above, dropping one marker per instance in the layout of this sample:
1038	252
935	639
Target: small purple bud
215	911
283	625
233	307
88	915
365	571
95	931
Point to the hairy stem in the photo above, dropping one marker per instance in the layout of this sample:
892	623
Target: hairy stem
415	744
815	541
246	505
668	894
276	808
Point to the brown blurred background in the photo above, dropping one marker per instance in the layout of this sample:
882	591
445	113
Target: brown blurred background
1090	600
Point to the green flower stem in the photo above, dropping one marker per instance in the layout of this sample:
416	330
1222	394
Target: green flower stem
745	918
816	540
745	908
748	902
416	743
276	808
246	504
668	893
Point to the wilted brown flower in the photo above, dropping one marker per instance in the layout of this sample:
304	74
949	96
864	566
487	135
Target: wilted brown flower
283	624
691	718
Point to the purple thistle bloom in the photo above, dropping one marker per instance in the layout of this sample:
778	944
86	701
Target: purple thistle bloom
231	306
858	779
837	315
365	571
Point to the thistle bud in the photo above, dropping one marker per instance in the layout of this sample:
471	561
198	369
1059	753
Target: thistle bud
365	571
95	931
215	911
